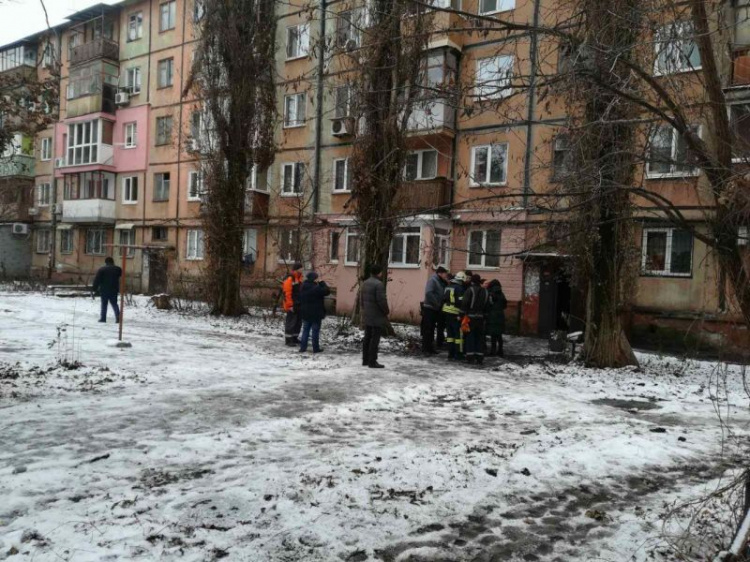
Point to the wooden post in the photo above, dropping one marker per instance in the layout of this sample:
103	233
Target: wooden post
124	250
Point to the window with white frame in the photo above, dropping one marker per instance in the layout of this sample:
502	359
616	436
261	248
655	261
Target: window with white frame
163	130
669	154
133	80
341	175
161	186
127	238
441	248
334	239
292	176
83	143
44	194
46	149
667	252
297	41
348	26
739	118
66	240
195	248
135	26
254	183
48	56
352	247
484	249
421	165
167	15
43	238
130	190
165	73
131	130
489	164
95	240
495	6
199	10
405	247
289	245
294	110
343	99
250	246
195	185
676	49
561	156
493	77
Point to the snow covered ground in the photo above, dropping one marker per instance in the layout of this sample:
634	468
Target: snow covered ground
209	439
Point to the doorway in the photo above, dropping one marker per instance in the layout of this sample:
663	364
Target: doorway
157	272
554	300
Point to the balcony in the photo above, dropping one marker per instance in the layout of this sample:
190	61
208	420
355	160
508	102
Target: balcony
105	156
256	205
98	211
99	48
17	166
425	195
432	116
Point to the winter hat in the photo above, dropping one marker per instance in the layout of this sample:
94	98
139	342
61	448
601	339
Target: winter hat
441	269
476	279
312	276
297	266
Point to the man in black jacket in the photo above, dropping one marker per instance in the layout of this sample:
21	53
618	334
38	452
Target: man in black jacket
107	284
375	314
312	309
474	304
432	310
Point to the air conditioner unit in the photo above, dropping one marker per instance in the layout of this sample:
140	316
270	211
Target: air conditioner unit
20	228
122	98
33	211
58	208
342	127
59	162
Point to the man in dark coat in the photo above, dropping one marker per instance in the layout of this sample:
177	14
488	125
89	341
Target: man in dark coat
107	284
496	317
432	308
312	309
474	305
374	306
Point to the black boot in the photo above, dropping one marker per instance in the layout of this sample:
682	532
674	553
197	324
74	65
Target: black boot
493	347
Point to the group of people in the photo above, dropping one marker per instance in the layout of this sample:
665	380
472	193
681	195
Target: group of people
461	310
304	304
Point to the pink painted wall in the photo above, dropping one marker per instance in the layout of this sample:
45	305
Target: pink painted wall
132	159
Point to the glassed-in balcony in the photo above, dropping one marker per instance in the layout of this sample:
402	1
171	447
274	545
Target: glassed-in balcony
99	48
89	197
17	166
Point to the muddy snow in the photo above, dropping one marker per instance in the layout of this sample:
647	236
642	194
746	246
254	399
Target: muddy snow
210	439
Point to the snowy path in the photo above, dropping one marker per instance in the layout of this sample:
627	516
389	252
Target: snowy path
210	439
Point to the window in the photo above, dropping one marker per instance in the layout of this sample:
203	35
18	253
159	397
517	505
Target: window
352	247
195	246
89	185
495	6
421	165
165	75
199	10
48	56
159	233
195	186
292	175
95	239
405	247
83	143
739	117
348	29
167	15
161	186
484	248
667	252
341	175
250	246
561	155
343	100
489	164
43	238
46	152
676	50
441	248
669	155
334	238
130	190
294	110
127	238
131	130
66	241
44	194
288	245
493	77
135	26
163	130
297	41
133	80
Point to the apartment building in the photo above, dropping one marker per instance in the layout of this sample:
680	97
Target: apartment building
119	166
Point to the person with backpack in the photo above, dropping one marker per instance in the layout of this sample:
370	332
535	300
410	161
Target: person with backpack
312	310
496	317
107	284
451	311
474	305
290	288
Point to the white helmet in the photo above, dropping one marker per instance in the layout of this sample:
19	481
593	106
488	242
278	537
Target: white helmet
460	276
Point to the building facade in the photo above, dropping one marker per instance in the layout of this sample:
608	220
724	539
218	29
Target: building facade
118	166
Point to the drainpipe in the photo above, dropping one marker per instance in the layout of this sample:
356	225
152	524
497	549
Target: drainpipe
454	142
179	137
533	48
319	108
52	263
146	138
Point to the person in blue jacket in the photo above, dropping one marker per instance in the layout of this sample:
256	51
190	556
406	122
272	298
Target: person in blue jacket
312	308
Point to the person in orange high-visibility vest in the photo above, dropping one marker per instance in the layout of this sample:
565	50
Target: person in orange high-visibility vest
291	288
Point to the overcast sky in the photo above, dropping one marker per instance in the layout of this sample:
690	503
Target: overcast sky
19	18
